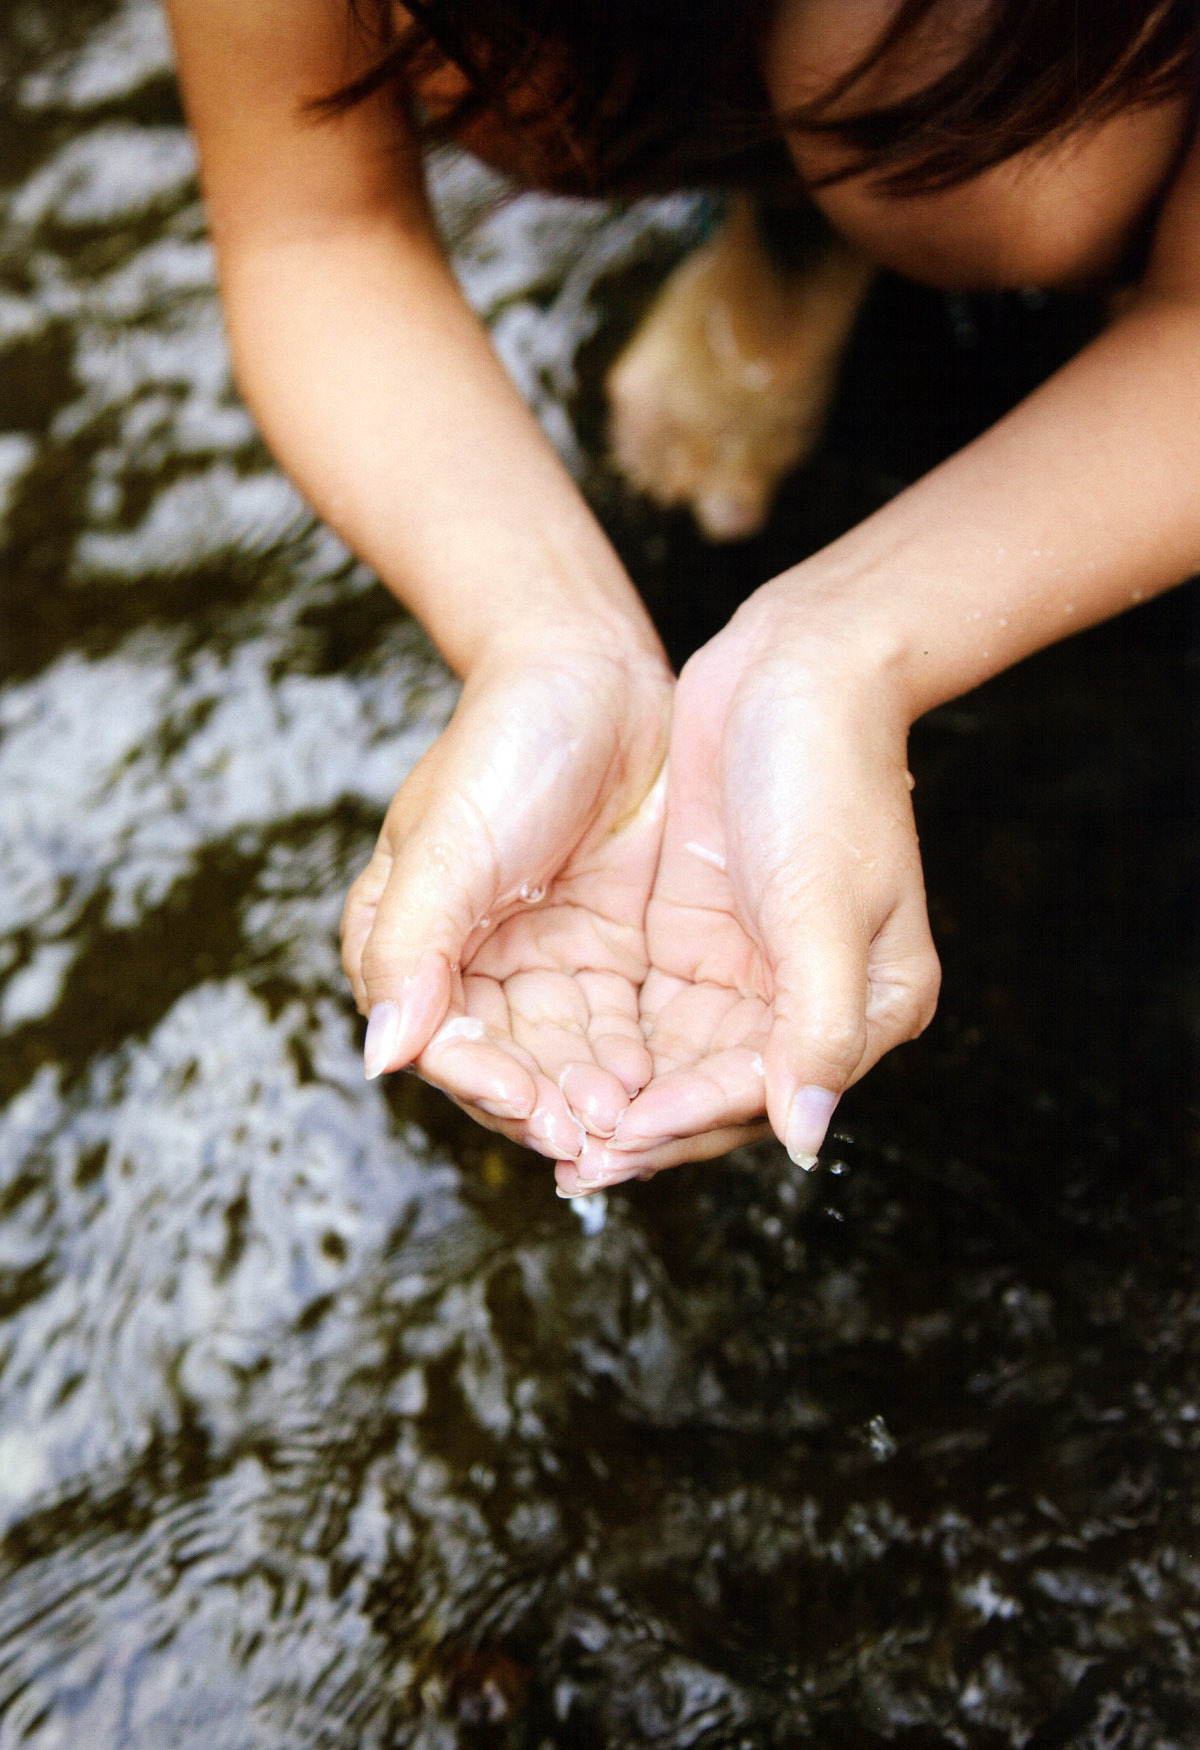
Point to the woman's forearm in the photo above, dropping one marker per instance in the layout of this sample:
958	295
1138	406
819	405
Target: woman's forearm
379	392
381	395
371	379
1081	502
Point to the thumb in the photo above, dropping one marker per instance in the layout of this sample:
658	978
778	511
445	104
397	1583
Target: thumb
817	1037
840	1004
405	927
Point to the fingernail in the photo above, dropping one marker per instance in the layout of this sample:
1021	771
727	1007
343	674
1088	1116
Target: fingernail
383	1027
618	1143
807	1121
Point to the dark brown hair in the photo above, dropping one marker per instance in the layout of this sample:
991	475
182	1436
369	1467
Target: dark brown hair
629	95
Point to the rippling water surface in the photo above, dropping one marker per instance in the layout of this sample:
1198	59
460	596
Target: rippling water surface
322	1422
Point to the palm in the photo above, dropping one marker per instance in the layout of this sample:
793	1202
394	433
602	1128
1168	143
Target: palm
673	980
705	1006
514	871
550	992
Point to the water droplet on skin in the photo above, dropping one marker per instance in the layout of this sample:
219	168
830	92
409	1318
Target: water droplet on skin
531	894
461	1027
706	854
485	922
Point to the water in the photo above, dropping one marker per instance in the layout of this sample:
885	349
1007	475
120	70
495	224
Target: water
322	1421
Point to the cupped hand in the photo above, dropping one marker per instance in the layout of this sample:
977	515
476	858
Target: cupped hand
496	939
787	936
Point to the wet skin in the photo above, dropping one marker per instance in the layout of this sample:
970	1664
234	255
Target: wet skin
775	968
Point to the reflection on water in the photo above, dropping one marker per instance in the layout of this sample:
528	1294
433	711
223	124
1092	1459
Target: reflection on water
322	1422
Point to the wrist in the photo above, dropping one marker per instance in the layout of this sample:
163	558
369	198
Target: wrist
826	631
566	638
585	664
525	588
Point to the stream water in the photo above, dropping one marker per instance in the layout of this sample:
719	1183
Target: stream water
322	1421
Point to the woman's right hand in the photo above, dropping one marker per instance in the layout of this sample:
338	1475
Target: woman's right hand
381	395
496	938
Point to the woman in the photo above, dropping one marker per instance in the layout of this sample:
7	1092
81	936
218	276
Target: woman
618	917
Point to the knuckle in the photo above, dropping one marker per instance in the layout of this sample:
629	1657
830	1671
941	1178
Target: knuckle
362	895
911	1014
928	992
377	965
835	1041
904	1008
692	674
365	882
352	966
351	912
695	683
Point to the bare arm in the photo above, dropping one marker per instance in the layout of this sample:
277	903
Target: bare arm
520	849
1082	502
372	381
788	809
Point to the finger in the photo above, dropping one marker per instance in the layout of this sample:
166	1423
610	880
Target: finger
482	1067
818	1035
549	1016
403	984
530	1111
595	1169
595	1096
626	1059
410	915
839	1009
723	1090
903	980
477	1070
358	920
548	1134
550	1129
614	1029
425	899
554	1130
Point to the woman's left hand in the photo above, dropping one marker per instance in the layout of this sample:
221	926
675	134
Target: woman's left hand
787	935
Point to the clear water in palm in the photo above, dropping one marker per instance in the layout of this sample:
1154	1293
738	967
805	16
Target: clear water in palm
322	1422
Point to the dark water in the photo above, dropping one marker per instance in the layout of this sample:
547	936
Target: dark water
322	1422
